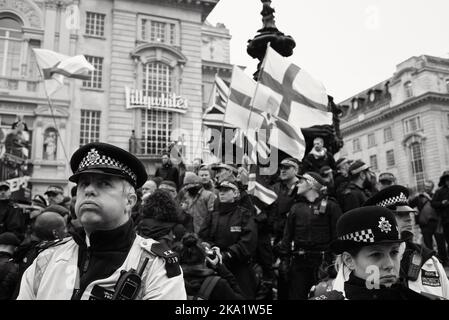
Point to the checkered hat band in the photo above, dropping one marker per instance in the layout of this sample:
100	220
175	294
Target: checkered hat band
394	201
359	236
105	161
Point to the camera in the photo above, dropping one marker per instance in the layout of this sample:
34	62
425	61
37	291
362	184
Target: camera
211	254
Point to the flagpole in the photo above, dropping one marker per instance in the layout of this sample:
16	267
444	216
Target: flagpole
51	110
222	122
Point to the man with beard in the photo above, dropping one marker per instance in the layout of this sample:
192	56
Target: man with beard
311	226
357	191
421	270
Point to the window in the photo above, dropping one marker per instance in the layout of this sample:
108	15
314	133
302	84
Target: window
10	47
95	24
157	79
158	31
417	161
156	131
390	158
356	145
408	89
96	76
373	162
388	134
90	126
33	71
447	85
371	140
412	124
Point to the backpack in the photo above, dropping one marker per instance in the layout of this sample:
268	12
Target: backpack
206	289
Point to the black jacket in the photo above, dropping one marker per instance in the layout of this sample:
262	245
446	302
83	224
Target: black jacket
353	197
280	208
165	232
168	172
12	219
9	276
310	163
225	289
437	203
233	229
311	226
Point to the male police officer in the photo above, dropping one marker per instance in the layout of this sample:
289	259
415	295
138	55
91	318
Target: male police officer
105	259
420	269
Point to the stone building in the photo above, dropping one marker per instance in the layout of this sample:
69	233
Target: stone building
154	63
401	125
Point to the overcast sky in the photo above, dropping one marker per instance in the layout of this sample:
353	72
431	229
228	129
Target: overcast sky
349	45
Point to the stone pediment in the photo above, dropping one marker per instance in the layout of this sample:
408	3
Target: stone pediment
58	111
28	11
147	52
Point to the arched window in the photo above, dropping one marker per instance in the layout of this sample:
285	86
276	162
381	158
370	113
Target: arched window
408	89
10	46
417	161
50	144
157	79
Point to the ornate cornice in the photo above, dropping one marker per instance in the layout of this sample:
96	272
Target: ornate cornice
27	10
140	50
393	110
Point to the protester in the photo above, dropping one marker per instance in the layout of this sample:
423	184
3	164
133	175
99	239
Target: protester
440	202
55	195
318	157
170	187
11	216
160	220
9	270
205	276
167	171
107	178
386	179
206	181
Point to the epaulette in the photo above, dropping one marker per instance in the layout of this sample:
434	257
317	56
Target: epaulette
170	257
330	295
51	243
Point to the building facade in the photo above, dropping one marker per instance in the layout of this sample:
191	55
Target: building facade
154	61
402	124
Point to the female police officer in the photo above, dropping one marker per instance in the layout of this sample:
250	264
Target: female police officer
371	250
90	265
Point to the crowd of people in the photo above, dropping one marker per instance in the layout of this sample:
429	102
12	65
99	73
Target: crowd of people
200	234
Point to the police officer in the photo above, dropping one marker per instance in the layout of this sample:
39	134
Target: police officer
421	271
12	218
310	225
370	251
232	228
105	259
357	191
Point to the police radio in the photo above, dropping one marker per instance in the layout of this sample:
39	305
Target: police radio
129	283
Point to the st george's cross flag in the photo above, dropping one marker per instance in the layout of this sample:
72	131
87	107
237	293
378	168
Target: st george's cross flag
290	93
55	66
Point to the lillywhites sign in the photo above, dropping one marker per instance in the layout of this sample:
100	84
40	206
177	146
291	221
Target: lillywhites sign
16	183
171	102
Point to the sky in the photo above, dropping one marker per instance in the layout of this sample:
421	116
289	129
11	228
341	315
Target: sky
350	45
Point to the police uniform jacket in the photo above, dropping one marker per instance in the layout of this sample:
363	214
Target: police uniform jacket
233	229
58	271
309	228
281	207
353	197
9	276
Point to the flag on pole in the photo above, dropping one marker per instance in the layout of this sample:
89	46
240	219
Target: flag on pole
258	190
55	66
214	115
290	93
238	109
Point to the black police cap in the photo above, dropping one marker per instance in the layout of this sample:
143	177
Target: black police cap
365	226
104	158
9	238
393	198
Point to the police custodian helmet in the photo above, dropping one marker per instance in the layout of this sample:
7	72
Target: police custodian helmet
107	159
365	226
